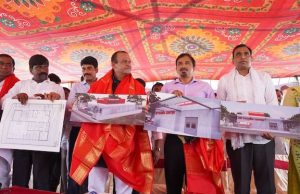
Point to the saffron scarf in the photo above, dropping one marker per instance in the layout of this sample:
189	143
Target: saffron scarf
204	160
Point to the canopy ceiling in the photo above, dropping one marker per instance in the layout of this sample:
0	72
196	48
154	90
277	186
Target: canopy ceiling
154	32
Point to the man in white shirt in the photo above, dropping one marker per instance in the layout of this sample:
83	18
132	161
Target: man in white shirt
7	81
89	68
249	152
37	87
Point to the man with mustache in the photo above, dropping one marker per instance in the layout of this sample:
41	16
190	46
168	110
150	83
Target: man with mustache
23	160
7	81
249	152
123	150
184	155
89	69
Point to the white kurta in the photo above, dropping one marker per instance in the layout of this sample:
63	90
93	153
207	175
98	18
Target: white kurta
30	87
256	87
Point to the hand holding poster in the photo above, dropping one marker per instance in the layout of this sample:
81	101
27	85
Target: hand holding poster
189	116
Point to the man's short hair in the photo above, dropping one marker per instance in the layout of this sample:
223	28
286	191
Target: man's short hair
141	81
54	78
66	89
277	90
157	84
89	60
284	87
114	56
38	60
8	56
188	55
239	46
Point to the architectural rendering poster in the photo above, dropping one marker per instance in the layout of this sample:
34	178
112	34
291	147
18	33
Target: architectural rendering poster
109	108
257	119
189	116
34	126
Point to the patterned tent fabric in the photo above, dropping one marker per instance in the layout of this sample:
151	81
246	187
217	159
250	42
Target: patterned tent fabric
154	32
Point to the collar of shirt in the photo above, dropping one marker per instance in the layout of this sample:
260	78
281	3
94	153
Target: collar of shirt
45	81
238	74
177	80
84	83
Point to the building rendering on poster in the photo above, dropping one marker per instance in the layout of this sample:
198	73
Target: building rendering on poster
109	108
257	119
189	116
34	126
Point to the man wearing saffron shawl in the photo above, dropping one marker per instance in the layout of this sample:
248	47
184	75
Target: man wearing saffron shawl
292	99
199	159
123	150
7	81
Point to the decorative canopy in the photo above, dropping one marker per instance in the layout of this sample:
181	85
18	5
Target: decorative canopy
154	32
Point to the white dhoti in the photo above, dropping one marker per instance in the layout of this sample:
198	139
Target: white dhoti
98	177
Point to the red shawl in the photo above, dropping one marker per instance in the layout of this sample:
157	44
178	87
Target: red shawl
204	160
9	82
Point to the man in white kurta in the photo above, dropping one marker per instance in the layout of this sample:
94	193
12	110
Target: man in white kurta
249	152
37	87
7	81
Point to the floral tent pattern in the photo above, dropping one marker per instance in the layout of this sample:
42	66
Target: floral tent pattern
154	32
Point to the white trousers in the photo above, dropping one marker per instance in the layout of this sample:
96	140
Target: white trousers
4	173
97	182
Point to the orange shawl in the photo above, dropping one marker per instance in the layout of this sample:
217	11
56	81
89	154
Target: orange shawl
9	82
204	160
125	148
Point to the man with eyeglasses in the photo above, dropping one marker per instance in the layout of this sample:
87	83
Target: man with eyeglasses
249	152
123	150
39	87
7	81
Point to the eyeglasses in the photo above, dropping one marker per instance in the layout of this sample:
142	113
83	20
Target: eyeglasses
6	65
125	62
39	67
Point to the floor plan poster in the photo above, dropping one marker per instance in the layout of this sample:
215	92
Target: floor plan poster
257	119
109	108
188	116
34	126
